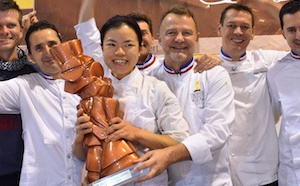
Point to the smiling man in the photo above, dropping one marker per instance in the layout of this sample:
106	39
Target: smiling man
48	114
13	62
283	78
207	103
253	140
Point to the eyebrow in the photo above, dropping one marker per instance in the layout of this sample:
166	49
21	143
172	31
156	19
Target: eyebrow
126	41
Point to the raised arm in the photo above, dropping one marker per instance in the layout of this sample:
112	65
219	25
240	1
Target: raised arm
86	10
88	33
27	21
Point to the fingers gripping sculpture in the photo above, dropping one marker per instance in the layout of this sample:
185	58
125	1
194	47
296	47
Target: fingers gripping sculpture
84	77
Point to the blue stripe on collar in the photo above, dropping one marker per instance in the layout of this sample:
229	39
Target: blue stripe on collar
182	69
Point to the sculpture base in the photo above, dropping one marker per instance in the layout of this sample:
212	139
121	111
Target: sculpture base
121	177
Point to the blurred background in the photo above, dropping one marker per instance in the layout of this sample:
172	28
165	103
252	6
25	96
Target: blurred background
64	14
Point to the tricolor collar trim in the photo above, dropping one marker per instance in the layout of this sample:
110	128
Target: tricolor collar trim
182	69
294	55
150	61
46	76
228	58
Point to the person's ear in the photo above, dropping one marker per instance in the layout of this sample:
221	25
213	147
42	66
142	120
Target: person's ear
219	30
283	34
30	58
253	33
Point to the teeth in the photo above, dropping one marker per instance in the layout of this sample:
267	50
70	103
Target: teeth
120	62
179	48
237	40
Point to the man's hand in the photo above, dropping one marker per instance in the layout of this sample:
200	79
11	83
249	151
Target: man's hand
206	62
120	129
28	20
159	160
156	160
83	126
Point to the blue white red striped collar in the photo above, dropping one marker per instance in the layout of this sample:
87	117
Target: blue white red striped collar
294	55
46	76
182	69
228	58
150	61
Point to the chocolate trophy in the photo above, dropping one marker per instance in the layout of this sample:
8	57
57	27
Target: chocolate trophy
84	77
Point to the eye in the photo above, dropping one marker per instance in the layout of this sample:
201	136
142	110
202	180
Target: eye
187	33
129	45
11	25
144	32
171	33
245	28
52	44
291	30
110	44
38	48
231	26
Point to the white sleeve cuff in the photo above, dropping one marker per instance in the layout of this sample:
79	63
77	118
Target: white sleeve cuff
198	148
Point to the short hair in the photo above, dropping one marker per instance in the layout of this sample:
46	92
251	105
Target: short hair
178	10
288	8
40	25
11	5
116	22
237	7
141	17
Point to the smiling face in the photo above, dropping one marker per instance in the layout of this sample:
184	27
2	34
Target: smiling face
291	31
178	36
10	33
148	40
121	50
40	43
236	33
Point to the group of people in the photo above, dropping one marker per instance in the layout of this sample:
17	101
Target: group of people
193	121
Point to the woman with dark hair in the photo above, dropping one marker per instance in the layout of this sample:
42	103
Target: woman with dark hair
153	117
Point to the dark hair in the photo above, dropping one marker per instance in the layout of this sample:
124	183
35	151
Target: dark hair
141	17
178	10
11	5
40	25
237	7
116	22
288	8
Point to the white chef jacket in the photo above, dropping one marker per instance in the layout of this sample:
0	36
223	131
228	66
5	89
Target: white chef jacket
207	103
89	35
139	90
149	104
284	78
48	116
253	141
151	63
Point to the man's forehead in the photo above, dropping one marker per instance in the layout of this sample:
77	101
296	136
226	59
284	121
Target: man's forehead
143	25
232	13
11	14
43	36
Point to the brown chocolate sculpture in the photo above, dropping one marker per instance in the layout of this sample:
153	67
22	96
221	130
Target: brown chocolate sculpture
84	77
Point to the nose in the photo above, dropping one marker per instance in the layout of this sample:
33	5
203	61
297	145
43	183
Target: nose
46	51
179	37
120	51
238	30
298	34
3	30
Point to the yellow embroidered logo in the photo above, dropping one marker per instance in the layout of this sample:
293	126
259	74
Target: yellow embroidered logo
197	86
